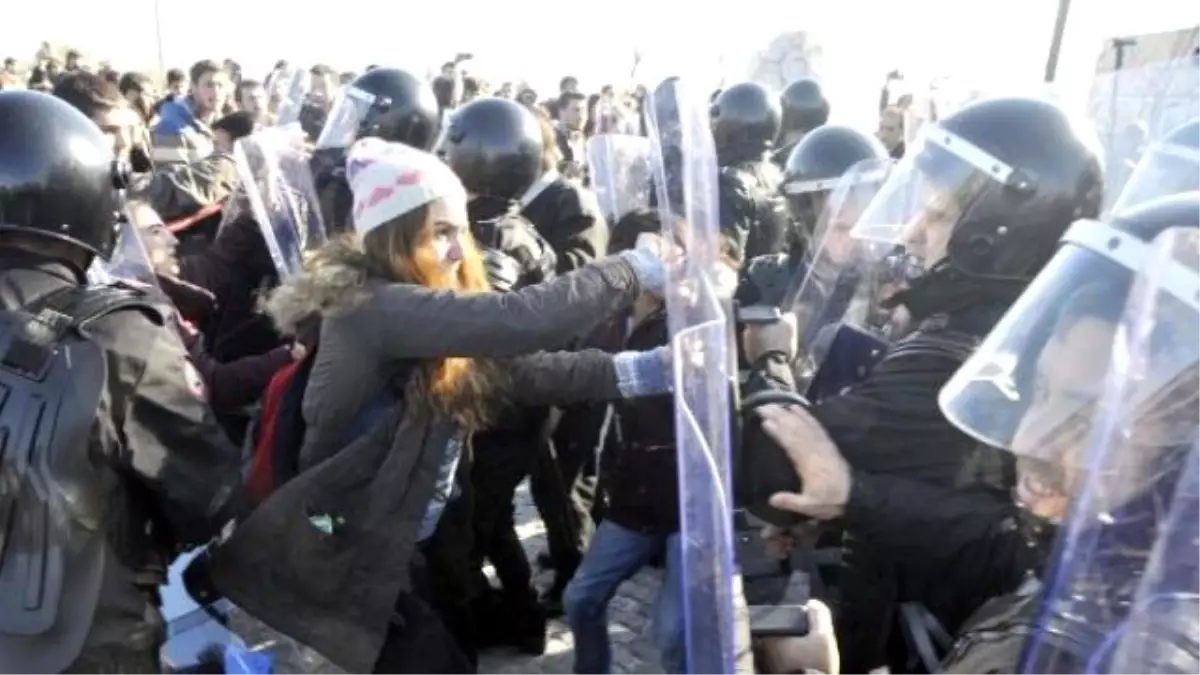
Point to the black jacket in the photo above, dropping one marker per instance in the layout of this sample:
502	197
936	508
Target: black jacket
176	472
750	205
930	518
637	467
569	217
497	225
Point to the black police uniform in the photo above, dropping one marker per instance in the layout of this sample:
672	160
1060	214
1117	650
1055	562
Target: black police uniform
568	216
804	108
907	459
404	110
113	459
495	148
745	123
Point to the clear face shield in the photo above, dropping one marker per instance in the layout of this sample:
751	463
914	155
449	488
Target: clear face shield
1034	385
839	302
130	261
1164	169
349	110
619	166
275	182
1109	462
938	185
807	199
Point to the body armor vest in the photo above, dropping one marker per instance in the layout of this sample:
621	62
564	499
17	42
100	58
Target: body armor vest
55	498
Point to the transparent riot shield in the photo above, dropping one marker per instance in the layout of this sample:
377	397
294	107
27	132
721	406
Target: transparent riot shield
274	178
698	307
619	167
291	90
1121	458
837	298
1161	633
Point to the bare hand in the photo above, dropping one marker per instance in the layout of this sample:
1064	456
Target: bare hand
299	351
823	471
817	651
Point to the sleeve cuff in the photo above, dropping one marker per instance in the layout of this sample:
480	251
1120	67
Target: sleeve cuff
641	374
647	267
863	501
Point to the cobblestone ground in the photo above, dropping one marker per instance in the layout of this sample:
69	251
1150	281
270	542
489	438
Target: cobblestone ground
629	616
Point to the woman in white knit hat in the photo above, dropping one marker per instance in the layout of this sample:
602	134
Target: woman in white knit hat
406	314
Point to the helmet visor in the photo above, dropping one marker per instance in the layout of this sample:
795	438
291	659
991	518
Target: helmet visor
1165	169
937	186
349	111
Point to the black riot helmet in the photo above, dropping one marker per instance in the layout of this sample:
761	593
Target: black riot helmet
1169	166
386	103
495	147
981	200
746	117
804	106
58	177
817	163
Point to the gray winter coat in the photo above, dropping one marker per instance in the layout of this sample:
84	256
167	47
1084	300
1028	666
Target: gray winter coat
335	591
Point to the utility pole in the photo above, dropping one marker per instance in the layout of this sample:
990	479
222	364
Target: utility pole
162	62
1060	25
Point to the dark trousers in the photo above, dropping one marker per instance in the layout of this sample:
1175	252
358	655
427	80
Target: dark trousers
450	579
418	640
502	459
563	486
433	629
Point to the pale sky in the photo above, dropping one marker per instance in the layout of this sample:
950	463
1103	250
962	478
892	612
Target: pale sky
988	41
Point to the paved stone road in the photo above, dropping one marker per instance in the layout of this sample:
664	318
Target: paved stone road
629	616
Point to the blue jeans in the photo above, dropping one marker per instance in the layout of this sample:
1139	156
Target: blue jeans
616	554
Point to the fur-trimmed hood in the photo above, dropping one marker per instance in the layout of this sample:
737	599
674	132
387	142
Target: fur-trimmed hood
335	280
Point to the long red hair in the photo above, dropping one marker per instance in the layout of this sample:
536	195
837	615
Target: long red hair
402	250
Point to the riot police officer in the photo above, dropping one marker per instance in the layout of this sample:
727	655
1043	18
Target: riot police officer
126	463
816	164
745	123
1060	334
814	168
999	182
804	108
387	103
495	147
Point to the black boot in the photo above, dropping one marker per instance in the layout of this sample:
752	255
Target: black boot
528	620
